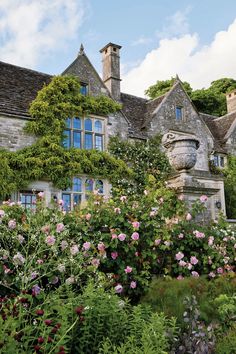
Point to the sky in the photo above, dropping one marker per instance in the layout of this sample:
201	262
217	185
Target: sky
195	39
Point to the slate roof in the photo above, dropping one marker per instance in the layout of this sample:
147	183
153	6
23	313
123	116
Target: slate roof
19	87
134	109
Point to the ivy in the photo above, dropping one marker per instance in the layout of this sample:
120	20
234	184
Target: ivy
47	159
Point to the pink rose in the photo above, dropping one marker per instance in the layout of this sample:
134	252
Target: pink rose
153	213
133	284
179	256
180	277
123	198
50	240
182	263
74	250
181	236
135	224
64	245
101	247
189	266
193	260
60	227
86	246
113	236
210	241
45	229
117	210
39	261
128	269
188	217
195	274
203	198
212	275
118	288
95	262
114	255
198	234
135	236
220	270
121	237
12	224
41	194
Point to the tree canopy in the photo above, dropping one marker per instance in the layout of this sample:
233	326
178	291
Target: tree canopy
211	100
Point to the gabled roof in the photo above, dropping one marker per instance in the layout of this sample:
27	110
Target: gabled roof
134	109
19	87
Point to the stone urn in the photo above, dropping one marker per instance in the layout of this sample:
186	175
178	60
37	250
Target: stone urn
181	150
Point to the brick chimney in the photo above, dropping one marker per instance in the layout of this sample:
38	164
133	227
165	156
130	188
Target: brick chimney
111	69
231	101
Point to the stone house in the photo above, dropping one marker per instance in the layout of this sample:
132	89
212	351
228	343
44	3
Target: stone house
172	113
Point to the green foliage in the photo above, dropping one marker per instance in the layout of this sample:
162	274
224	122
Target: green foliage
230	187
162	87
145	158
47	158
211	100
226	306
226	344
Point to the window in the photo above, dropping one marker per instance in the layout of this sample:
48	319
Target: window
179	113
84	133
219	161
83	88
28	199
80	191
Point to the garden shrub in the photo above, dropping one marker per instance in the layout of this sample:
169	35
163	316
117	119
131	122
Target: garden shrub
226	344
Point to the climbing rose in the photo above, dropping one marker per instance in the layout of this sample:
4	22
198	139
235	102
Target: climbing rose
135	224
203	198
193	260
101	247
179	256
118	288
212	274
121	237
195	274
86	246
12	224
50	240
198	234
188	217
128	269
220	270
114	255
135	236
95	262
60	227
182	263
113	236
133	284
74	250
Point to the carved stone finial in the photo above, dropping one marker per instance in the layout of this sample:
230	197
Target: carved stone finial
81	51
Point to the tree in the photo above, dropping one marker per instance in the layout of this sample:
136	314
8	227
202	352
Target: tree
162	87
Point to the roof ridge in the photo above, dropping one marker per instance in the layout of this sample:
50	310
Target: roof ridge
26	69
128	94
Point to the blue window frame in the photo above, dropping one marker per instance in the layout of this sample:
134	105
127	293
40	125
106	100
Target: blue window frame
179	113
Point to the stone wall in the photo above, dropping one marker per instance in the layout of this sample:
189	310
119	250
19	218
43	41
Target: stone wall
12	136
164	120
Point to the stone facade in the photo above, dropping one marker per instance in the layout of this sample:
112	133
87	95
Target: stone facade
139	118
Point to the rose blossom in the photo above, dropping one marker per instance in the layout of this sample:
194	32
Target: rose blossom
181	236
60	227
12	224
50	240
41	194
114	236
210	241
220	270
188	217
64	245
74	250
198	234
133	284
157	242
203	198
2	213
179	256
136	254
128	269
39	261
101	247
135	224
122	237
189	266
167	243
180	277
212	274
86	246
193	260
114	255
117	210
135	236
45	229
182	263
123	198
195	274
95	262
118	288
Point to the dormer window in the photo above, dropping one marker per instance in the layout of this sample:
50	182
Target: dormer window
178	113
83	88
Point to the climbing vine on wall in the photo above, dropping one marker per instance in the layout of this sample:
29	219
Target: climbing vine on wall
47	158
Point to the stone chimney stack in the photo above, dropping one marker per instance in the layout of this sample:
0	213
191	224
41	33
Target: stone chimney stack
231	101
111	69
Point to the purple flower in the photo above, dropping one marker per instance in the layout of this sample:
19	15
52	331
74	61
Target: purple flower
135	236
133	284
12	224
121	237
60	227
212	275
50	240
114	255
36	290
118	288
34	275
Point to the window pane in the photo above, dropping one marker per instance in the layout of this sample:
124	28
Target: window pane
98	126
98	142
22	199
89	185
77	199
77	123
88	143
216	161
66	138
84	89
221	161
67	201
77	139
99	186
68	123
88	124
77	184
178	113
